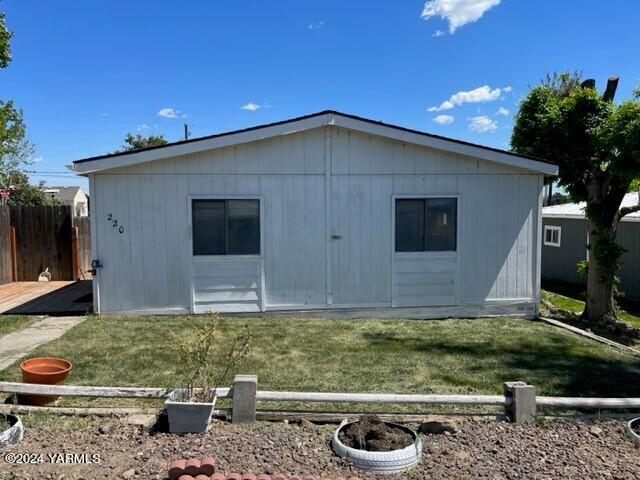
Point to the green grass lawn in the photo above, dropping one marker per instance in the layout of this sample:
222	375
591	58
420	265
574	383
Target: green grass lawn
11	323
570	297
399	356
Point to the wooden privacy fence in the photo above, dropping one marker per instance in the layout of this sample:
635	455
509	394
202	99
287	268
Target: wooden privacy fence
519	399
33	238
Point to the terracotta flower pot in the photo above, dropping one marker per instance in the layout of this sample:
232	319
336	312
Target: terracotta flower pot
46	371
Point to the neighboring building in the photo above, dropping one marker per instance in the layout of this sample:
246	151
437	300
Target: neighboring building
565	244
325	211
73	196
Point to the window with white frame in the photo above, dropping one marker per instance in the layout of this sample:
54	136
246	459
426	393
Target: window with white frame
426	224
226	227
552	235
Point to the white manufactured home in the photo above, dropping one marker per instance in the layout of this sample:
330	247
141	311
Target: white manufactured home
323	212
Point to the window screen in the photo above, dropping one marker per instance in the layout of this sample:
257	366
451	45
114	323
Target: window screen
226	227
426	225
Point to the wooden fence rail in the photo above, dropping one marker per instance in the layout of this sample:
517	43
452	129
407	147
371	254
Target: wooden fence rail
87	391
519	401
320	397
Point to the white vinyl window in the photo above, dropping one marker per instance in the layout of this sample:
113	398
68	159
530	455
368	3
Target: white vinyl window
552	235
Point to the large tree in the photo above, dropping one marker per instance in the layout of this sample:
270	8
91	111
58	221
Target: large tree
15	148
5	48
596	144
136	142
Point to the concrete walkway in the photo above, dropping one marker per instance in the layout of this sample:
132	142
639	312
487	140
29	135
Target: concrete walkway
16	345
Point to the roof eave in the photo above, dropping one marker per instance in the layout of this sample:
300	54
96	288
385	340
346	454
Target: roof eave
92	165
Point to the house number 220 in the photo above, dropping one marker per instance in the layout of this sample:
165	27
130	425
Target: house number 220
114	223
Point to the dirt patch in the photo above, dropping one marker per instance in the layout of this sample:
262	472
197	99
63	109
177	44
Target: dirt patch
559	449
374	435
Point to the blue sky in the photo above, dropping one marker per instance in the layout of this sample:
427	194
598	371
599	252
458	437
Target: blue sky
86	73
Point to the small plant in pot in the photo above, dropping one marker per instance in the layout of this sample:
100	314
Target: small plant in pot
189	408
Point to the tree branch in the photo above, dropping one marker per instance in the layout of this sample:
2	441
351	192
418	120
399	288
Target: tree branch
588	83
626	211
610	92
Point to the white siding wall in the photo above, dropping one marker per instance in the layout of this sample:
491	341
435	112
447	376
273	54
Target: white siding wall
311	182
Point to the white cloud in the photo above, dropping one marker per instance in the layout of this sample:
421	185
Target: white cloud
37	159
507	89
105	114
143	126
444	119
482	124
457	12
251	107
169	112
502	111
315	26
478	95
438	33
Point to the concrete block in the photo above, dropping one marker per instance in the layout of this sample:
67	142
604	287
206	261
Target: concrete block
522	408
244	398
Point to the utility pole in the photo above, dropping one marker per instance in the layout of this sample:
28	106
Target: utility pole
186	131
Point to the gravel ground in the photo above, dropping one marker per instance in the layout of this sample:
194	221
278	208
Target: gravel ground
480	449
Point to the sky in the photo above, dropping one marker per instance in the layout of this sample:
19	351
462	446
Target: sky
86	73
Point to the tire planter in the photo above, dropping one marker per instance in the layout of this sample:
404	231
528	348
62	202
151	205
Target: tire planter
46	371
187	417
13	434
631	427
394	461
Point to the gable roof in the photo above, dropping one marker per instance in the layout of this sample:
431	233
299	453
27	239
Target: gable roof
328	117
576	210
65	194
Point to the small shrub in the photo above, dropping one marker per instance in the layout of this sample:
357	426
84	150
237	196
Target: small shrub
201	375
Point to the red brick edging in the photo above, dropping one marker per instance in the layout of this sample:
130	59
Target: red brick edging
205	469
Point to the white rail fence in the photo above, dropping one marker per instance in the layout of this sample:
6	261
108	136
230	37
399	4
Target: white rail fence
519	400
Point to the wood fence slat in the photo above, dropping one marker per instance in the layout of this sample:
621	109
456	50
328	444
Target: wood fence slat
6	267
83	226
14	255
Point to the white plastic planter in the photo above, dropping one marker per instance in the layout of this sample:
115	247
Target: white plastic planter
631	426
187	417
394	461
13	434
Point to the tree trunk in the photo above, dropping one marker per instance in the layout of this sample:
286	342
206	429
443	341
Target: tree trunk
599	304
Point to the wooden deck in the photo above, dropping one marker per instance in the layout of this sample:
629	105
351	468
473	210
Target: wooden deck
46	298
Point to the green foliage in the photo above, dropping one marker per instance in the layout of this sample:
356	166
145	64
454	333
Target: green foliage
565	126
5	37
635	185
15	152
138	142
15	149
23	193
200	373
581	132
582	267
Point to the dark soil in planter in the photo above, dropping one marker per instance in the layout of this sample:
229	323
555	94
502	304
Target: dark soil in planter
635	427
374	435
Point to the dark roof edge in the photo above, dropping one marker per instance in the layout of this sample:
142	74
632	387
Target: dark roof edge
305	117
